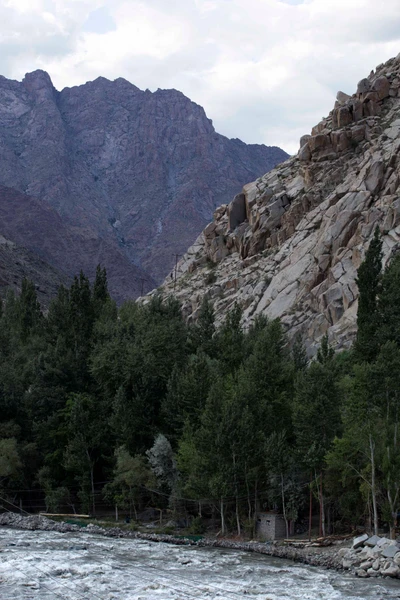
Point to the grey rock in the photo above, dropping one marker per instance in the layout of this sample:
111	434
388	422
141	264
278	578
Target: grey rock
359	541
363	86
236	211
342	98
129	173
374	179
382	87
304	139
390	551
341	185
361	573
392	571
372	541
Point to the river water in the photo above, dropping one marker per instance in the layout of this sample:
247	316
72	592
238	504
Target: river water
73	566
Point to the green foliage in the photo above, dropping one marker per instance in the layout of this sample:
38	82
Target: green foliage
369	285
135	407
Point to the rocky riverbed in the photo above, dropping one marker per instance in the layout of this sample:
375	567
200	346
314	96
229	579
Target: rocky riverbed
48	560
364	557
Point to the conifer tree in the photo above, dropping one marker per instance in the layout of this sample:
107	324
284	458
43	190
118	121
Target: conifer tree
389	304
369	285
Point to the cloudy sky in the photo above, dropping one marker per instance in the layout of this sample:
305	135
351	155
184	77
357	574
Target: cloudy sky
265	71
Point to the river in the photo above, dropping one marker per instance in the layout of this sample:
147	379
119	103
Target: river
76	566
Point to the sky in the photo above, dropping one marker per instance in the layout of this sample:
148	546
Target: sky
265	71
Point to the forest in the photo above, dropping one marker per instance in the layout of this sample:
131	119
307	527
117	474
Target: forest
133	407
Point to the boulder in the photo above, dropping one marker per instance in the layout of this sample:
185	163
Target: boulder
357	109
392	571
382	87
236	211
384	542
363	87
342	98
305	153
344	116
304	139
358	542
390	551
371	105
372	541
374	178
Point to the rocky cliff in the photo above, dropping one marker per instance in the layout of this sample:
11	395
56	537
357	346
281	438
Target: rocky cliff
17	263
136	174
32	224
290	244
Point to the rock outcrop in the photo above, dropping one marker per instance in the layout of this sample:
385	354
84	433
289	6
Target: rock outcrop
133	172
290	244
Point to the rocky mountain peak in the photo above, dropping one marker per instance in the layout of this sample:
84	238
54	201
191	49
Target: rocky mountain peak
289	245
134	175
39	85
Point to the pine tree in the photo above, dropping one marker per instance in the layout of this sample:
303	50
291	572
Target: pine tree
389	304
369	285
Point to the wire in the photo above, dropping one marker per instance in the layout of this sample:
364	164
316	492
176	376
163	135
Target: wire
172	577
149	571
79	594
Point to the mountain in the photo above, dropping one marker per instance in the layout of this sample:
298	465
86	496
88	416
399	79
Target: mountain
134	176
289	245
17	263
52	239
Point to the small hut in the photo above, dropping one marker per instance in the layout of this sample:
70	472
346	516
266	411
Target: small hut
270	526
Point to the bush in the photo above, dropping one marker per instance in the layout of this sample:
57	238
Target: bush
197	526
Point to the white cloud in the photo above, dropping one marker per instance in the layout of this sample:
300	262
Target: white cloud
264	70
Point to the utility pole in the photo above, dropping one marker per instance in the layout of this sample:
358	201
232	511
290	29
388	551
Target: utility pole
176	265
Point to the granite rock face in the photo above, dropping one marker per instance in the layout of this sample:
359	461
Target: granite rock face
308	223
139	172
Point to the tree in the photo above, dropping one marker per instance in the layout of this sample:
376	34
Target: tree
201	333
317	418
369	286
83	451
362	428
389	304
187	393
10	462
162	462
283	478
131	477
229	340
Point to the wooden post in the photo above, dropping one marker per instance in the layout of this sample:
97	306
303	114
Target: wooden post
116	513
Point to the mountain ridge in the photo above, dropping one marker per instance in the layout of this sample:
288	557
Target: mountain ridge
290	243
142	171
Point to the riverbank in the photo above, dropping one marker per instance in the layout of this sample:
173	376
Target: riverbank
331	557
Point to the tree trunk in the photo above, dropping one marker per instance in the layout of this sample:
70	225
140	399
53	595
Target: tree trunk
284	506
222	517
373	485
321	501
116	513
236	495
92	488
237	516
248	493
310	512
